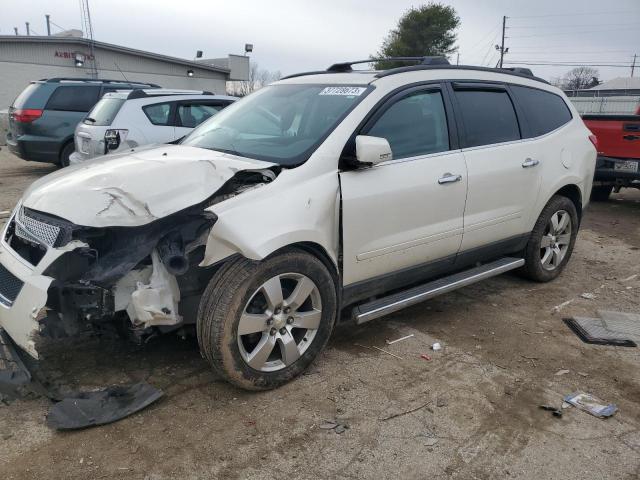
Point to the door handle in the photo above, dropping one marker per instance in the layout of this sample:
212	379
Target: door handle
631	137
449	178
530	162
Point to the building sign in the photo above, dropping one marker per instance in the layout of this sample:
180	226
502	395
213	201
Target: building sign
72	55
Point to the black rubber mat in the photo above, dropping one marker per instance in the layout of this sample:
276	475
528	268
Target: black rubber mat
596	335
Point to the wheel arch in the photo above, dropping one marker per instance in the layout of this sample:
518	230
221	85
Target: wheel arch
573	193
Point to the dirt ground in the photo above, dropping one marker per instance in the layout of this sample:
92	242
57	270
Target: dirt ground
476	402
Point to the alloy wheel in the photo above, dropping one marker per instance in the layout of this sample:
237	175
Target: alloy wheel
279	322
555	241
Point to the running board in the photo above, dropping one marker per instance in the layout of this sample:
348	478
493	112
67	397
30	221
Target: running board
392	303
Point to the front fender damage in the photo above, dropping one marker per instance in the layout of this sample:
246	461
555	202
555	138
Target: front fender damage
134	277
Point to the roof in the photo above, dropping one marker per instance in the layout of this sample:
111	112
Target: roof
109	46
619	83
418	72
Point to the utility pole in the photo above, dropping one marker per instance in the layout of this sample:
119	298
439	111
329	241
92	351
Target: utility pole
27	24
458	59
502	52
633	65
48	25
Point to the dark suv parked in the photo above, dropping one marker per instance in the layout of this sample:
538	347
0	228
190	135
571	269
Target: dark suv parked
44	116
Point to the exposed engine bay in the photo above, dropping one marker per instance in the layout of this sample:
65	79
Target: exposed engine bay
141	279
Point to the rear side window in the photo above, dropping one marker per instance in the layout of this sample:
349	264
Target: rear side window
73	98
158	114
414	125
545	111
488	117
193	114
21	99
104	112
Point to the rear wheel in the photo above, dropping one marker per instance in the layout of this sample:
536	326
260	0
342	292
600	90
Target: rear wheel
600	193
552	240
260	324
66	152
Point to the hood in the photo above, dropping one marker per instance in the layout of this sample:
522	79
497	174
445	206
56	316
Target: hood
135	188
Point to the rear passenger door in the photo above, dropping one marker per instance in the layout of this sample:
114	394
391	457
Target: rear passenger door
190	114
160	127
504	176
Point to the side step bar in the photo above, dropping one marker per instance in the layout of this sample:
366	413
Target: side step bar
397	301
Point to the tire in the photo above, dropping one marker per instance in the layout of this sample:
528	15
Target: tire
601	193
65	153
237	293
545	241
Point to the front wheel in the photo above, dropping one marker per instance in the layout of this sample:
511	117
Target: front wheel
552	240
260	324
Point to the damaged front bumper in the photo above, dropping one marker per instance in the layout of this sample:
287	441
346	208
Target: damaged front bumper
23	295
53	285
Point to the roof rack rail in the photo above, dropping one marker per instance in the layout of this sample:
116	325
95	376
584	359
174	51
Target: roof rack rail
346	66
426	63
95	80
156	92
518	72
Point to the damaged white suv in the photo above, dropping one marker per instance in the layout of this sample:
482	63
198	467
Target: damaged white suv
332	195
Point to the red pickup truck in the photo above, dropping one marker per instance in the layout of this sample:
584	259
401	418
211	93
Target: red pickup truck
618	163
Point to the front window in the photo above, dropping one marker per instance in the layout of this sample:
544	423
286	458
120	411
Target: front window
283	124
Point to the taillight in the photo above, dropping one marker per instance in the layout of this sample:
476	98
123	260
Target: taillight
26	116
594	140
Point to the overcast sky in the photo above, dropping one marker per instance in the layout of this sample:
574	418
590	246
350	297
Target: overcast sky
298	35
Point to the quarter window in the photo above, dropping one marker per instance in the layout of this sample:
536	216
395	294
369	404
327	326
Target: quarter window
414	125
158	114
545	111
73	98
488	117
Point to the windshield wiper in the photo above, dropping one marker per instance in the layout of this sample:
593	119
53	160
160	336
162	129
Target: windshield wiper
89	119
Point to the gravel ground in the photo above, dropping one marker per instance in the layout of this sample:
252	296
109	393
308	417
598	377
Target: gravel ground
475	404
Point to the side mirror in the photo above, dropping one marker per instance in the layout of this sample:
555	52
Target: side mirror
372	150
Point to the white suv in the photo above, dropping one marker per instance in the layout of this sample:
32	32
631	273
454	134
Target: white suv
341	195
127	119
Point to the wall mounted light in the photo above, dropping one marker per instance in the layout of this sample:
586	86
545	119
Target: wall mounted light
79	59
189	73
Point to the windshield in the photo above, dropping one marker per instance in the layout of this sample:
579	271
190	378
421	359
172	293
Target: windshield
104	112
283	124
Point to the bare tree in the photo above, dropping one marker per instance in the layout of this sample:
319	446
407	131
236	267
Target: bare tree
258	78
580	78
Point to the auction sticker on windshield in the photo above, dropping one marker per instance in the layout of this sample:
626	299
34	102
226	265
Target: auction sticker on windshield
350	91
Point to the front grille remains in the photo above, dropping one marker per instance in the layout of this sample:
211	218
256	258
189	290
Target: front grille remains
32	229
10	286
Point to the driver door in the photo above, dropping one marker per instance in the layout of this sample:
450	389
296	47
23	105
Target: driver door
404	214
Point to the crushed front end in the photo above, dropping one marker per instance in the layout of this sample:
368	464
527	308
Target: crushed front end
58	279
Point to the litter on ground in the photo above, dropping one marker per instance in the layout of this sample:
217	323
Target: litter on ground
591	404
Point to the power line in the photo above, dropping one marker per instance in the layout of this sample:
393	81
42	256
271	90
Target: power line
578	13
575	25
557	64
572	33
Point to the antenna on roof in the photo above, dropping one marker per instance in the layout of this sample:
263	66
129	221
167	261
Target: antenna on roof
120	71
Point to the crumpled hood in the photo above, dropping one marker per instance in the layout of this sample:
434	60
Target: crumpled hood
135	188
